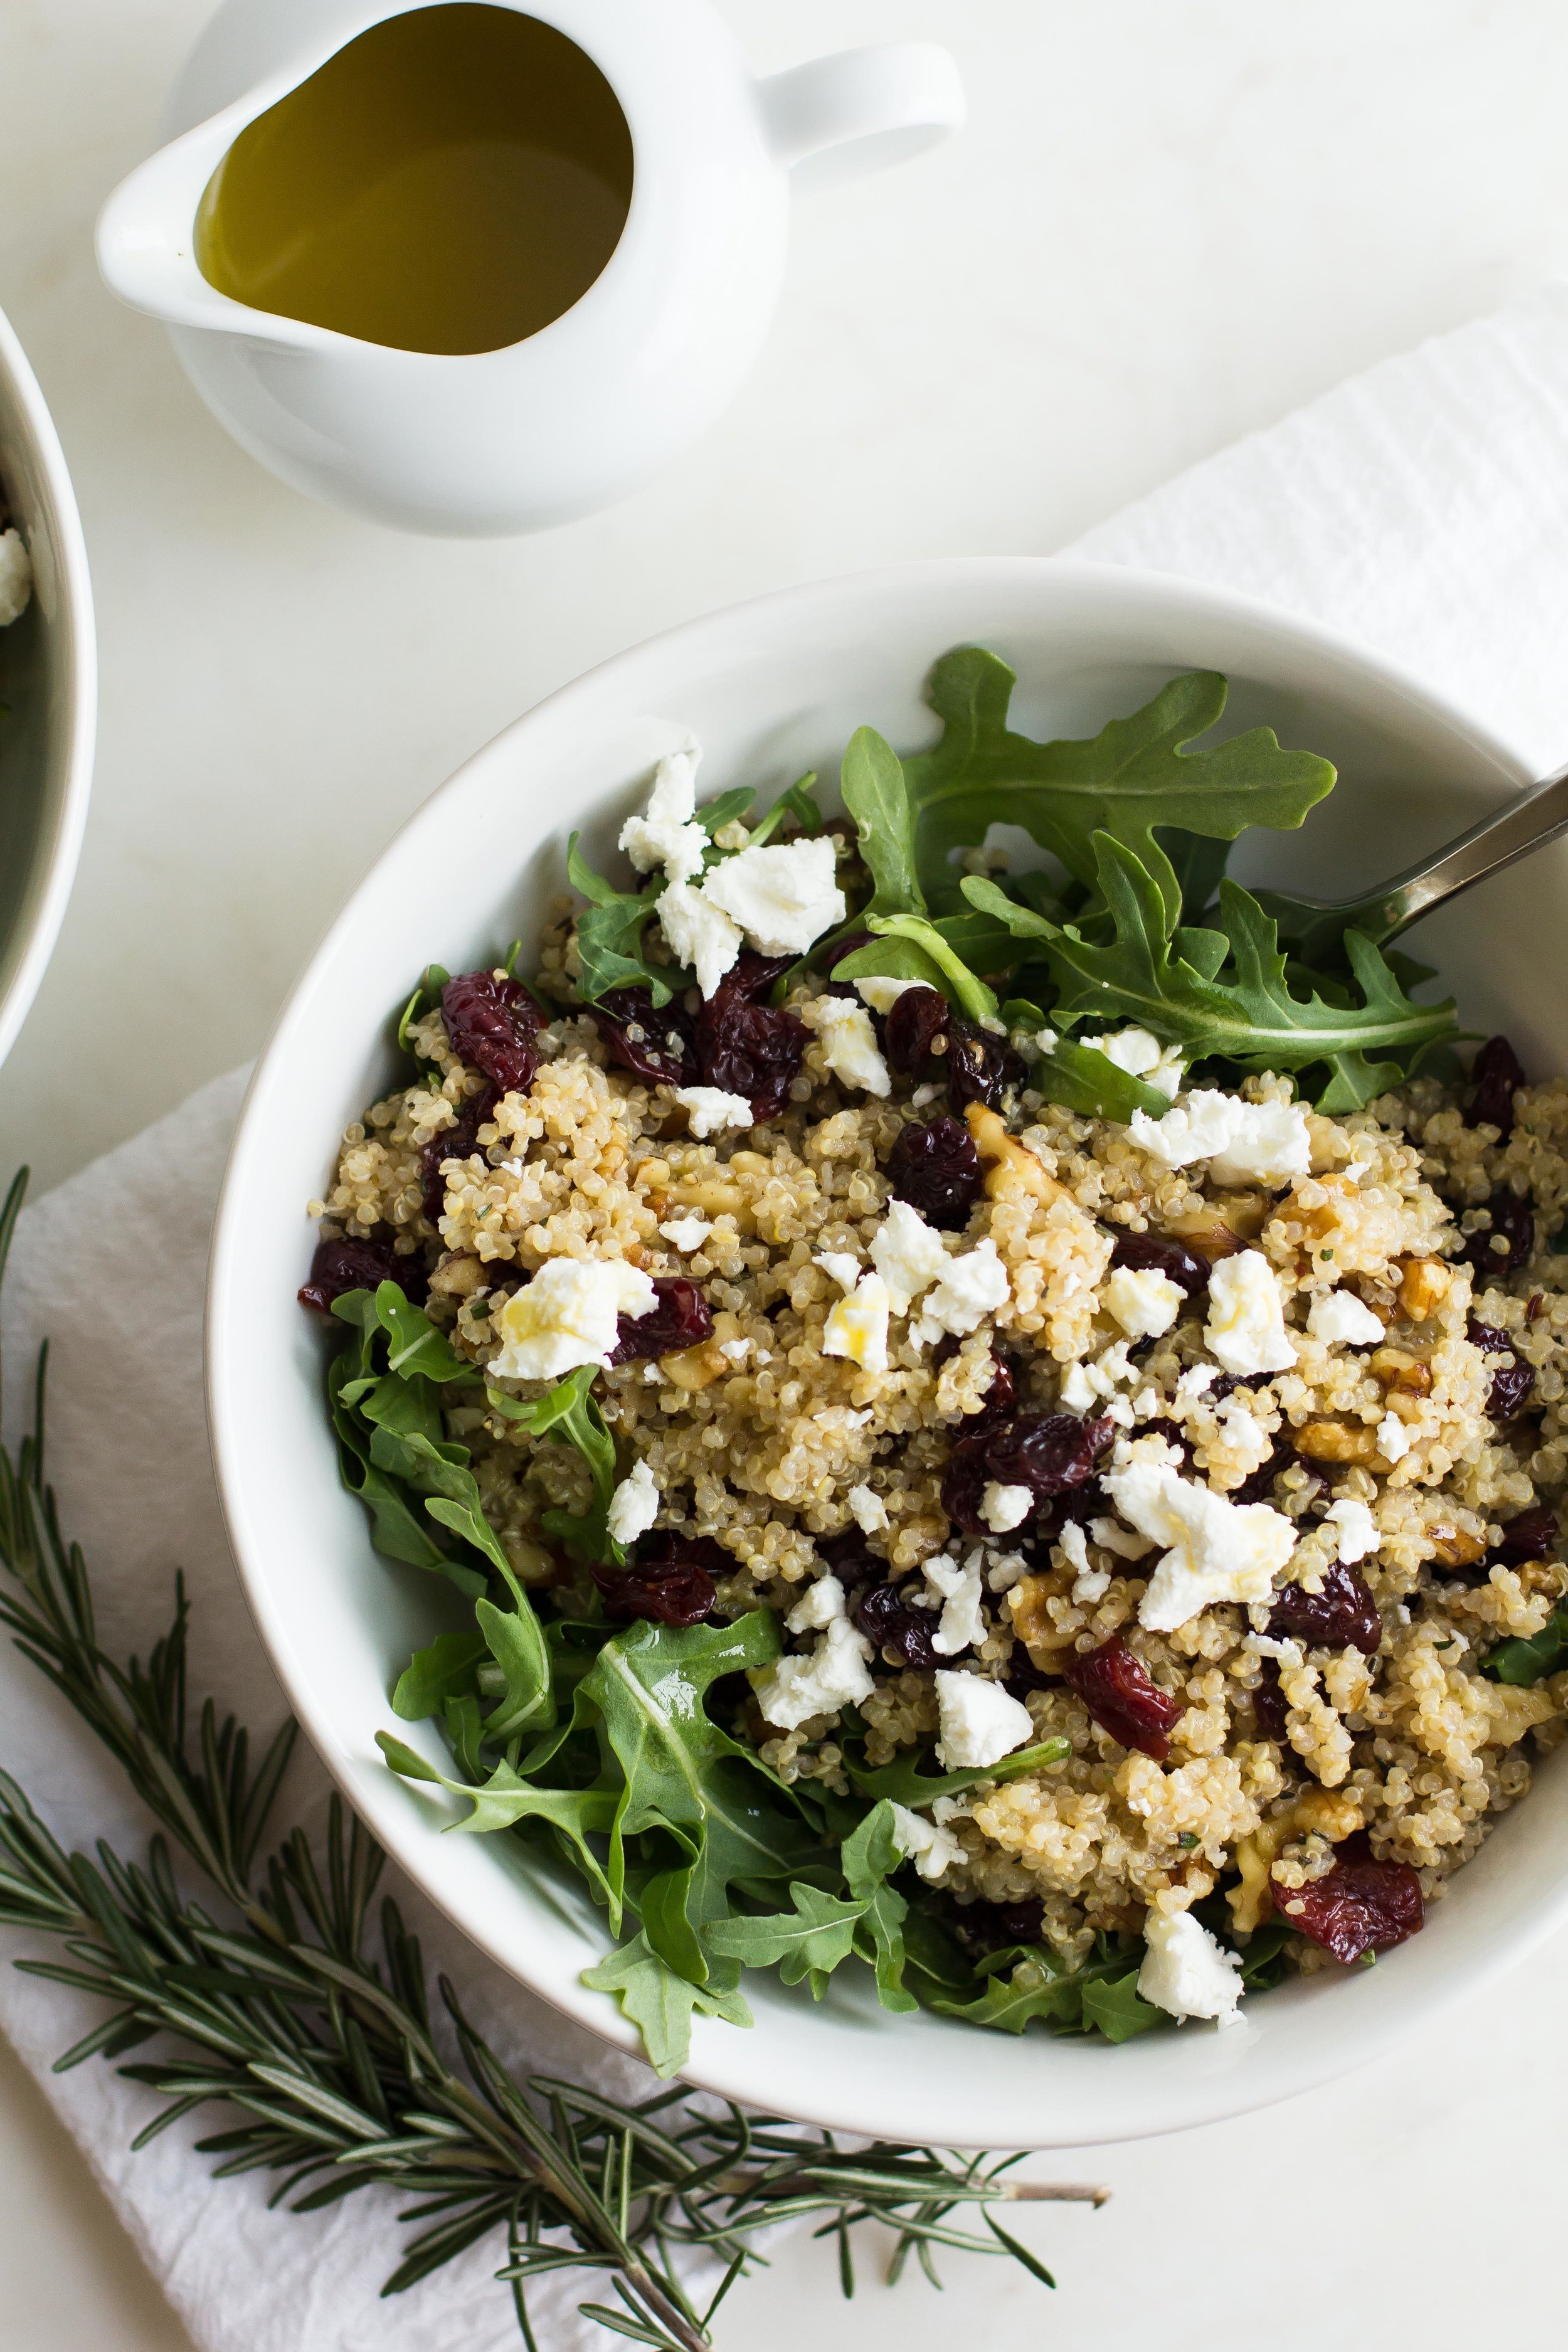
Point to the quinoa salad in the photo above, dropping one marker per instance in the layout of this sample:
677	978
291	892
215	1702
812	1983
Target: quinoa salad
997	1414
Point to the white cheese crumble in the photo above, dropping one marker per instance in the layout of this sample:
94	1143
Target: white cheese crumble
1359	1534
881	991
1003	1508
15	578
978	1722
1119	1539
1142	1056
1246	1327
783	896
665	833
817	1607
1341	1317
841	1267
1075	1549
634	1506
567	1316
907	1254
1144	1301
1186	1972
1247	1142
858	1325
686	1233
972	1287
836	1674
932	1849
848	1043
735	1350
1217	1550
710	1108
867	1510
1084	1384
1393	1438
961	1623
700	933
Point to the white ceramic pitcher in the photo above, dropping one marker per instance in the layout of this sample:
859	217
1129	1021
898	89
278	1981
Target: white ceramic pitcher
567	420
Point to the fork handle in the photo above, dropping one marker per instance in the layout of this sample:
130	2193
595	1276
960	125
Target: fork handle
1538	816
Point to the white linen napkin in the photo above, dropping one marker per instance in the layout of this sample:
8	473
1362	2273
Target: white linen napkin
1424	508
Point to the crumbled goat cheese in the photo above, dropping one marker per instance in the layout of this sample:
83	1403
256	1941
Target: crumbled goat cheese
783	896
867	1510
1246	1327
700	933
1003	1508
15	578
1078	1390
1216	1549
882	993
841	1267
907	1254
1075	1550
567	1316
1142	1056
1084	1384
1186	1972
1359	1534
1090	1587
1342	1317
848	1043
709	1109
735	1351
1145	1303
686	1233
978	1722
858	1325
972	1286
1043	1041
665	834
836	1674
1393	1438
1247	1142
1110	1537
634	1506
1005	1569
817	1607
1195	1382
962	1622
932	1849
1243	1429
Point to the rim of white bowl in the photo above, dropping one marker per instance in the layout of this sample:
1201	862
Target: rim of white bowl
719	2052
63	821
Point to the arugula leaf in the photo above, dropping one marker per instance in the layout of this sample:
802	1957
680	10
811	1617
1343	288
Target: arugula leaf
1136	774
1038	1986
505	1800
609	936
872	783
1529	1658
960	984
425	999
446	1670
905	1784
1114	2006
796	803
1089	1081
1198	866
813	1937
1172	984
724	810
868	1857
515	1640
661	2003
569	1415
414	1344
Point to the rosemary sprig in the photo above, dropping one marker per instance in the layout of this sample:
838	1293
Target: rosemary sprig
319	2034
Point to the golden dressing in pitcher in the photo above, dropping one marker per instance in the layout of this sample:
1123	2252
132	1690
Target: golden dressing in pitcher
451	181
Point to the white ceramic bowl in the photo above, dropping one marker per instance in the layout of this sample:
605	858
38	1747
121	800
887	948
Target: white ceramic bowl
772	688
48	676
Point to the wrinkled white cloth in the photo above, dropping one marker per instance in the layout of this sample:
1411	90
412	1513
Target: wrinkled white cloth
1422	508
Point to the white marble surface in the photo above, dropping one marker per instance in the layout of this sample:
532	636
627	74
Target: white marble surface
1167	225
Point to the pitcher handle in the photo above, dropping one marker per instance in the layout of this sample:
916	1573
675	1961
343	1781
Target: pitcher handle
838	117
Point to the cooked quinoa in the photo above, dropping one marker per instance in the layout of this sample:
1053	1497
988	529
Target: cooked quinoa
1370	1455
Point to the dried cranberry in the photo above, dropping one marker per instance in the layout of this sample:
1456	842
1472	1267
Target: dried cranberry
339	1267
1123	1698
751	976
982	1928
659	1047
1046	1452
491	1025
1158	1254
1360	1906
1343	1616
1531	1536
754	1050
1513	1223
996	1403
915	1021
1022	1675
889	1622
1079	1505
832	952
1496	1074
981	1067
1511	1380
670	1581
936	1169
678	1319
459	1142
1269	1702
1259	1487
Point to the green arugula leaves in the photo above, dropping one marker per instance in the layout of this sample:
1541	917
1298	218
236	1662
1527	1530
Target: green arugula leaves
1528	1658
609	936
569	1415
1027	1982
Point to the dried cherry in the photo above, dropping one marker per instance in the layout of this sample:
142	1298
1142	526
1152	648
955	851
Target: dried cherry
751	976
1159	1254
890	1623
936	1169
459	1142
1513	1225
914	1022
1123	1698
1047	1453
981	1067
1269	1706
1496	1076
671	1580
492	1024
1511	1381
681	1318
1361	1905
1341	1616
982	1928
659	1047
750	1049
1531	1536
345	1264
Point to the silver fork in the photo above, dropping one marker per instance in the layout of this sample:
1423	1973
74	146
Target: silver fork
1538	816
